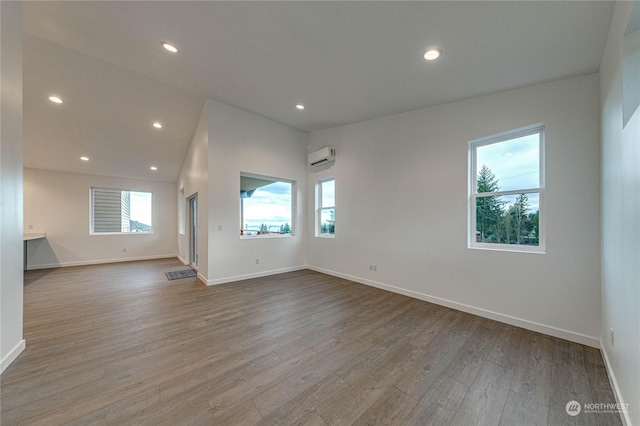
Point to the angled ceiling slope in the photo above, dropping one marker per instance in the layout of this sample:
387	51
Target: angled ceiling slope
345	61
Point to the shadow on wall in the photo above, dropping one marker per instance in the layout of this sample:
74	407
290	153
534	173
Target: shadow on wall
40	253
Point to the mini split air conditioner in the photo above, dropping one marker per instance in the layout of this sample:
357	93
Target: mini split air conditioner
322	156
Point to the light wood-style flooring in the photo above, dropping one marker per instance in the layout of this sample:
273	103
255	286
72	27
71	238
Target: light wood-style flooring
120	344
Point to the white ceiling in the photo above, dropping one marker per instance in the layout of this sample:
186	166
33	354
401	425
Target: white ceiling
346	61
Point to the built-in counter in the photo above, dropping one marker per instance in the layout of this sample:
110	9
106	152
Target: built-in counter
29	236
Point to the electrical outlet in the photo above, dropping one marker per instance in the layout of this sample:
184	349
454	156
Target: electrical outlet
219	227
30	226
611	336
124	250
257	261
373	267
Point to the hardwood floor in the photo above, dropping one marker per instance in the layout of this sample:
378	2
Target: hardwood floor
120	344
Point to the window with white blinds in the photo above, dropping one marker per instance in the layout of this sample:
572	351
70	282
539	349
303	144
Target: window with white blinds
116	211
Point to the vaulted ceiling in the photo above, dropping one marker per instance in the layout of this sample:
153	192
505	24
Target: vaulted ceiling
345	61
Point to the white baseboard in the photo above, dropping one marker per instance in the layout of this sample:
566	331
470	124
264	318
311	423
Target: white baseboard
186	263
518	322
225	280
100	261
12	355
202	278
614	384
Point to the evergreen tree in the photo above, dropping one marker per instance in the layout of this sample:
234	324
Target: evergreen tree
331	225
488	209
495	224
534	231
519	211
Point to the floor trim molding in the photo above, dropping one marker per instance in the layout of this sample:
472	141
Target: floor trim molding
100	261
518	322
614	385
226	280
202	278
12	355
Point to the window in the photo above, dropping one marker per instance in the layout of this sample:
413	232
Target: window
507	191
181	209
326	208
266	206
116	211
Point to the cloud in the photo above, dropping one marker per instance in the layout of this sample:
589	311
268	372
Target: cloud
270	204
515	163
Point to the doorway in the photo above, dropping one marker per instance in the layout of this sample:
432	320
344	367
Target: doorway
193	231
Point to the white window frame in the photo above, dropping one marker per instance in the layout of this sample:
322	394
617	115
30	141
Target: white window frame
320	207
293	207
181	212
538	128
91	213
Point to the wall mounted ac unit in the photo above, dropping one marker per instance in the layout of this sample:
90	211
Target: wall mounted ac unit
322	156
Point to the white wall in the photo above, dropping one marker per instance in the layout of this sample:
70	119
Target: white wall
401	203
194	178
58	203
240	141
620	227
11	287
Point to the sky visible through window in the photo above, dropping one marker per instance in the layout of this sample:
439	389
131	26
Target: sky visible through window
328	193
269	205
327	213
141	207
515	164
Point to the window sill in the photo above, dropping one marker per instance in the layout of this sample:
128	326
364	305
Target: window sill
329	236
120	233
266	236
510	248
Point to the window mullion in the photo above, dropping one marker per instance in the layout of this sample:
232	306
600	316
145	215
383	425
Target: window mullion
511	192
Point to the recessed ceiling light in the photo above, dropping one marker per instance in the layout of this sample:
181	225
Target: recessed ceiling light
300	107
432	54
170	47
157	125
55	99
84	158
153	168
